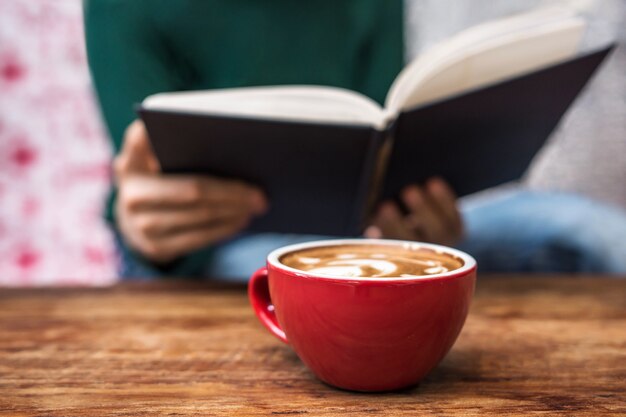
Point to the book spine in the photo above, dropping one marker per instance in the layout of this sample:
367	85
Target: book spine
374	170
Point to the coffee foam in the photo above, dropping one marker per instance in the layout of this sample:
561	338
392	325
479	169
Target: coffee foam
371	261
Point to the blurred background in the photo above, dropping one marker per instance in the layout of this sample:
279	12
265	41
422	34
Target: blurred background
55	159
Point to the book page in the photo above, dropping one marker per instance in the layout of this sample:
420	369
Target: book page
486	54
289	103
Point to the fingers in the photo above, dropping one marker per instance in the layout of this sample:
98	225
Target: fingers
433	211
161	223
136	155
168	248
432	216
423	214
172	191
445	199
391	223
373	232
165	216
192	240
162	235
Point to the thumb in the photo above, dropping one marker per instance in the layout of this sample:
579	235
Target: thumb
136	155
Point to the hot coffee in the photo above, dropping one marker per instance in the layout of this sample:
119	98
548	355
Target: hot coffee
365	314
372	261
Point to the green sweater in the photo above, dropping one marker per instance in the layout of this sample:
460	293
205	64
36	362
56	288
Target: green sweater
140	47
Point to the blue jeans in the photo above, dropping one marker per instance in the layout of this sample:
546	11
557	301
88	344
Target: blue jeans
524	231
514	231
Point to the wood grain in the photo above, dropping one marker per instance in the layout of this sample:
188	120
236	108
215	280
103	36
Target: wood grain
531	346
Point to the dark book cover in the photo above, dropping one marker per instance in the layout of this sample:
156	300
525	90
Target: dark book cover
486	137
314	174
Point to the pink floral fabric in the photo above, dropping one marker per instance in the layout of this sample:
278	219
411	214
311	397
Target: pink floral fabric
54	157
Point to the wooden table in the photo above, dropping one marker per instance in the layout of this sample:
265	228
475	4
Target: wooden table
542	345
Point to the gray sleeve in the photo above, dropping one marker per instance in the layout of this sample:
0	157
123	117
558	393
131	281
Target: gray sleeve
587	153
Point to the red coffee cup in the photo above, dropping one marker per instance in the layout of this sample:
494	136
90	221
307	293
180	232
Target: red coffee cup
364	334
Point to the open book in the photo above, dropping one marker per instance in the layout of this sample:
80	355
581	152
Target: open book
474	110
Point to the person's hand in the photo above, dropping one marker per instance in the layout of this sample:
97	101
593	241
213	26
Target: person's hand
165	216
432	216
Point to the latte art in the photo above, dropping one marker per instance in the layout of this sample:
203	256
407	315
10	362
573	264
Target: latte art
371	261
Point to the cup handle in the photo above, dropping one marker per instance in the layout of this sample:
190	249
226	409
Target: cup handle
259	295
